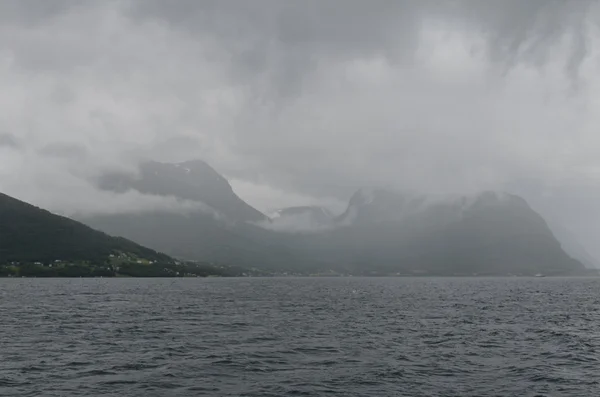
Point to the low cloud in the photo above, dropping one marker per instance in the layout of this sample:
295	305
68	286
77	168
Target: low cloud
8	141
133	202
301	223
269	199
64	151
61	186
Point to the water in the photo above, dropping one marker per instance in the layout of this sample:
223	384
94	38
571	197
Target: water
312	337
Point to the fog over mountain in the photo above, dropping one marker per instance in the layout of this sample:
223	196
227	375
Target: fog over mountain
302	104
381	232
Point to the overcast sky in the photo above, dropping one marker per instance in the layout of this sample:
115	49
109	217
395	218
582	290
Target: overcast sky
305	101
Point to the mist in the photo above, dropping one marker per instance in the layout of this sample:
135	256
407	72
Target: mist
304	103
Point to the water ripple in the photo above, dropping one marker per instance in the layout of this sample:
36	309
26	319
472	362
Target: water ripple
300	337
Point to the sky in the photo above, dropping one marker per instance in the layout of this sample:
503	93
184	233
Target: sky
305	101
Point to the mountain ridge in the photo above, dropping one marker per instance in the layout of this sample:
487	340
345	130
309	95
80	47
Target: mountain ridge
381	230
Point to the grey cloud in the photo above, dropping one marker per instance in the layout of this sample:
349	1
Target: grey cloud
176	149
33	12
301	224
302	100
64	150
65	187
8	140
288	39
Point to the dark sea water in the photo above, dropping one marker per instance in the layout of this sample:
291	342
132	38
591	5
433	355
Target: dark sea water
300	337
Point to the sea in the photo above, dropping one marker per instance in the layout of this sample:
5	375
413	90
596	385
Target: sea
300	337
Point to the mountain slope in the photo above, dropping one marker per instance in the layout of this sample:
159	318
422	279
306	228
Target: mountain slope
29	234
190	180
490	233
572	246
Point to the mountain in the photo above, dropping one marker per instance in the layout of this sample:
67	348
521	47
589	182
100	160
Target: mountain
190	180
224	232
369	206
572	246
381	231
575	212
30	234
489	233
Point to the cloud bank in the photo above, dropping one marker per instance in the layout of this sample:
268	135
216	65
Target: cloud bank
309	99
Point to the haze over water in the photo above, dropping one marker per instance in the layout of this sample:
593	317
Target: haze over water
313	337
